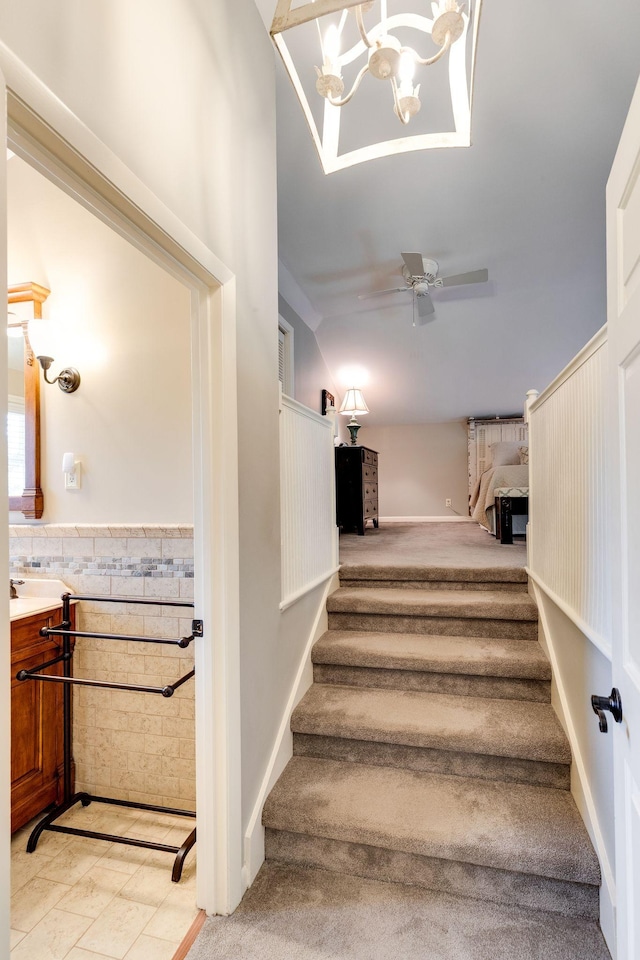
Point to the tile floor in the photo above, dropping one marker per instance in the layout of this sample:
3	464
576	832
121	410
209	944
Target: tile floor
81	899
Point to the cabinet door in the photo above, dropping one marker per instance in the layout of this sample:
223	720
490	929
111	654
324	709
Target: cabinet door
36	729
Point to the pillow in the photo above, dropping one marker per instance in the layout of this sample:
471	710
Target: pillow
524	455
505	453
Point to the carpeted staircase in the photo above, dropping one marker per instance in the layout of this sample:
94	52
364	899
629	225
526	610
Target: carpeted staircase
427	752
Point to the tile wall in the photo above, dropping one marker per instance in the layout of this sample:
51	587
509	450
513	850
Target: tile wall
131	746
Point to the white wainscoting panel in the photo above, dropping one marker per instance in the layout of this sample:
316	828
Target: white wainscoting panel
568	550
307	499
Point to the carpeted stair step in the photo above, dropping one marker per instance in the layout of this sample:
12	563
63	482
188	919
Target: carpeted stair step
515	741
464	666
434	578
481	613
298	913
510	843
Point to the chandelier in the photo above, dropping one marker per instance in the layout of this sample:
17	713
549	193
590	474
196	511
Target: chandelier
351	44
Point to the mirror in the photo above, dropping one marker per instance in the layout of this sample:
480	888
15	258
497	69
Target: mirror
31	501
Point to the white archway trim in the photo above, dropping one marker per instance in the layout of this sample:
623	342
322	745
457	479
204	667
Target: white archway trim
46	133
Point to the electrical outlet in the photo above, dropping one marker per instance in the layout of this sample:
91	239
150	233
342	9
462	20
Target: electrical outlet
447	502
73	481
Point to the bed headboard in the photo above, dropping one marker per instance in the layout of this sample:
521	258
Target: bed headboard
484	432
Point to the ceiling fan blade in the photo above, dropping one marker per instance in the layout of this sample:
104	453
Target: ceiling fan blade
414	264
379	293
475	276
425	305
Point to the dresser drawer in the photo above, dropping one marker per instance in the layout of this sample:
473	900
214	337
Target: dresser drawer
369	472
370	456
370	508
370	491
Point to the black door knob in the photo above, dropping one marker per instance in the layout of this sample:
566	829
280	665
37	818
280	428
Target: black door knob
612	703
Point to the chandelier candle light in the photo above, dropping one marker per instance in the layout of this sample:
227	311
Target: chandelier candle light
352	404
345	40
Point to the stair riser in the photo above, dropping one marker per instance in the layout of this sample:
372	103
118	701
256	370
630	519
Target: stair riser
446	876
436	585
438	626
427	760
460	685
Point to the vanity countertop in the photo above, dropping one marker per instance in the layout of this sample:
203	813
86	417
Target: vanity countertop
36	596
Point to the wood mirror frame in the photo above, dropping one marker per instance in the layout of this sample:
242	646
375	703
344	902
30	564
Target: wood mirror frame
31	503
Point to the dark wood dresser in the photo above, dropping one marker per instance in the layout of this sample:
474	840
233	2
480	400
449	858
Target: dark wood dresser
356	487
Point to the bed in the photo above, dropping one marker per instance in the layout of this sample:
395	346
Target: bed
499	476
499	502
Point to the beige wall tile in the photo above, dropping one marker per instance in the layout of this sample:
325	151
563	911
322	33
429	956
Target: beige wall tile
188	750
110	547
167	745
127	623
126	530
160	626
177	548
177	767
168	588
144	547
127	586
77	546
21	546
93	585
176	727
46	546
186	588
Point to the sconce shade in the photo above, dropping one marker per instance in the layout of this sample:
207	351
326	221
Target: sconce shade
353	403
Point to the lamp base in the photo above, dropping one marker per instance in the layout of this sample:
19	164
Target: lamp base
353	426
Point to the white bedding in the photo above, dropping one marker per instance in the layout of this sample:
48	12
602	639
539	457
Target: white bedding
516	475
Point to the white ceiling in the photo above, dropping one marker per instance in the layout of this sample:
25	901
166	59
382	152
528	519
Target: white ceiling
552	87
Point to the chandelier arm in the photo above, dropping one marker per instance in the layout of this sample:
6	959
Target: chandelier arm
361	27
401	116
441	52
356	84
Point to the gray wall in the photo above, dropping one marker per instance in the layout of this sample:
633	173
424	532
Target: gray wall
310	371
420	466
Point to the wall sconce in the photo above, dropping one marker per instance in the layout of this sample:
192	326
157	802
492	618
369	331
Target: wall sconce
68	379
353	403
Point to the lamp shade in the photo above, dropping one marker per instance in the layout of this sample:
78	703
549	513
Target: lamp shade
353	403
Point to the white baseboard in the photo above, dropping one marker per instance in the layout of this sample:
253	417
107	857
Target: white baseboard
426	520
283	746
580	789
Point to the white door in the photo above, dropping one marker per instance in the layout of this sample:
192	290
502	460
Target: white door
623	315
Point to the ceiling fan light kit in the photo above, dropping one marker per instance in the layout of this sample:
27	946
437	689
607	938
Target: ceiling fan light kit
362	38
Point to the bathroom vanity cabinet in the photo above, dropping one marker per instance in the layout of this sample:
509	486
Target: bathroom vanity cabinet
36	719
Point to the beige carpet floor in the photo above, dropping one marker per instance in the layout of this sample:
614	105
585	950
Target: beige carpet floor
294	913
430	544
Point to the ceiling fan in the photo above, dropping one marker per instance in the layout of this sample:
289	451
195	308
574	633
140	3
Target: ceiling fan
419	274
